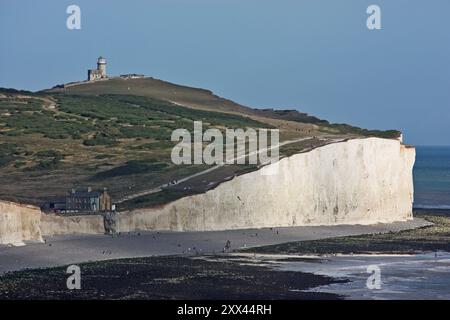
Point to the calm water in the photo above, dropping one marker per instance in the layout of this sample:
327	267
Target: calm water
403	276
432	177
421	276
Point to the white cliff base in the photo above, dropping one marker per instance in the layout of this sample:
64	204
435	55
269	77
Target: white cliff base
52	224
361	181
19	223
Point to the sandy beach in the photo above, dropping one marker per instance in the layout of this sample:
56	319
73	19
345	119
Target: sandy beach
64	250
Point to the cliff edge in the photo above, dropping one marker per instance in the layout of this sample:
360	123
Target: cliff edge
360	181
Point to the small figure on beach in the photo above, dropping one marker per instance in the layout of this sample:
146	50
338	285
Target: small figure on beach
227	246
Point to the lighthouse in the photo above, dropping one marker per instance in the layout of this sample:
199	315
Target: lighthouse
101	66
100	72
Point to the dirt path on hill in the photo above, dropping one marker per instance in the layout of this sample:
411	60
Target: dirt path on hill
185	179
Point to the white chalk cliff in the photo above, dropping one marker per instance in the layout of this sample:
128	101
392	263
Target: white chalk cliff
19	223
360	181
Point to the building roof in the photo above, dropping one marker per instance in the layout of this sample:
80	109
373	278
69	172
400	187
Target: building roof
56	200
84	194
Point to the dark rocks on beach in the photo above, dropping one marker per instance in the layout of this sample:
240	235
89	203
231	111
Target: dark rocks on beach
165	278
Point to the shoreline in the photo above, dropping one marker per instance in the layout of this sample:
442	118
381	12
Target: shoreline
64	250
238	274
425	239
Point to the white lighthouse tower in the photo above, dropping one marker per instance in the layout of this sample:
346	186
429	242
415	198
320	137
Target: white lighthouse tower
101	66
100	72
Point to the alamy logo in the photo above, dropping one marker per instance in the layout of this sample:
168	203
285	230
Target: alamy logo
374	280
225	150
374	20
74	280
73	21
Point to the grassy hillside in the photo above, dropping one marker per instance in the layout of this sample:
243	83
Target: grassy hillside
116	134
157	89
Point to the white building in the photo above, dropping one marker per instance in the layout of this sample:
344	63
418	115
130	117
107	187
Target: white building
100	72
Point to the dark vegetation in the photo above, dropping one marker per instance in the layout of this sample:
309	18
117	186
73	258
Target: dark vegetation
196	185
49	164
348	129
9	152
131	167
156	199
341	128
11	91
291	115
104	119
49	154
31	118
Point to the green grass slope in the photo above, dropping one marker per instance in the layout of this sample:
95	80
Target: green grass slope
116	134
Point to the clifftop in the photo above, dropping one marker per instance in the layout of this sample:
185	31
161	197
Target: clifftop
202	99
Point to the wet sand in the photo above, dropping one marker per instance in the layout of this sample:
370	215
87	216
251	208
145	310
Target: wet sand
427	239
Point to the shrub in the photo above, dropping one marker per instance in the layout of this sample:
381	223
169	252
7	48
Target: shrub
99	140
131	167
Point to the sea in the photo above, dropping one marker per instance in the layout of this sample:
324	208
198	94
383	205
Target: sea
432	178
400	277
414	276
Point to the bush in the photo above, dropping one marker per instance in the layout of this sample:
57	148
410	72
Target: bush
49	154
99	140
8	152
45	165
131	167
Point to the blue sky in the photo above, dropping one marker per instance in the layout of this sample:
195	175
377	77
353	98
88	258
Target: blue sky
316	56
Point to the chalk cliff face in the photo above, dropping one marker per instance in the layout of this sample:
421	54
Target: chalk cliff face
361	181
19	223
52	224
